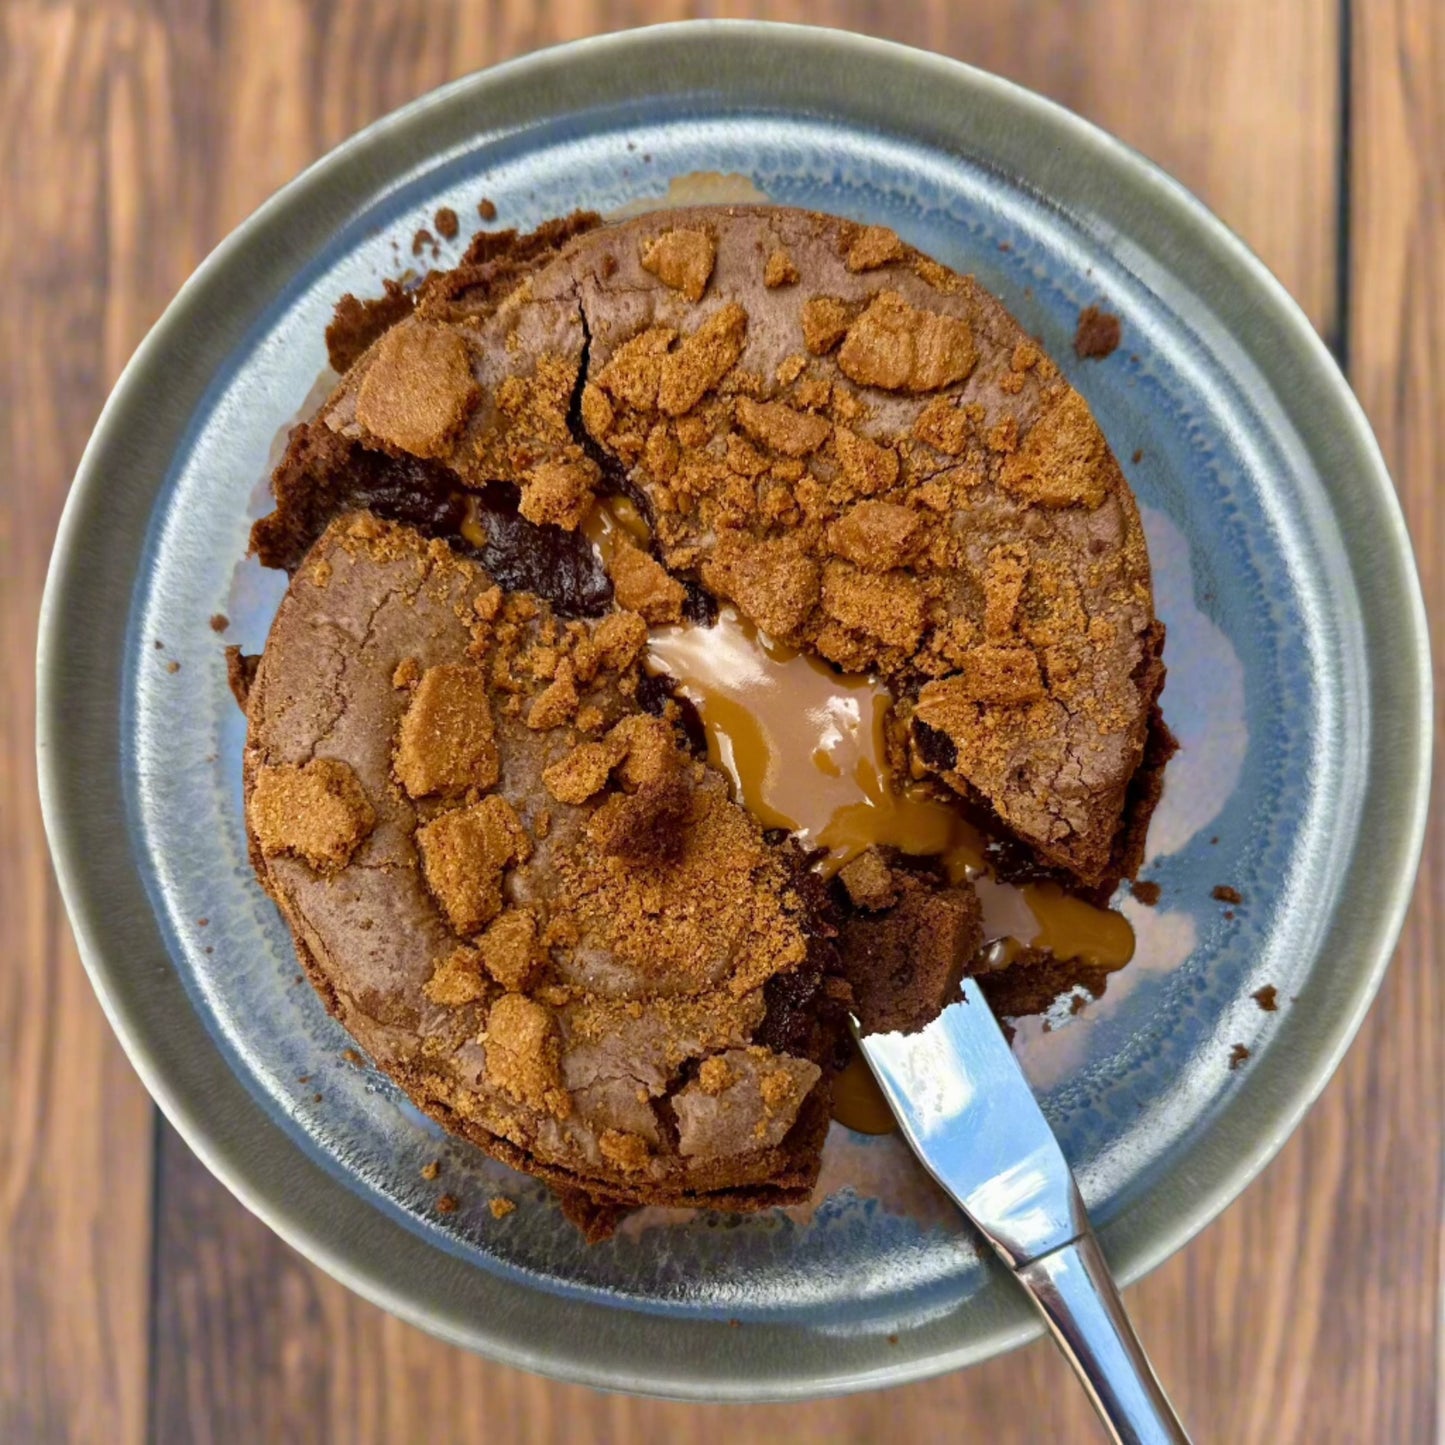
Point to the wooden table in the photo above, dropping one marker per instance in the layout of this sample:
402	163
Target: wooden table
138	1300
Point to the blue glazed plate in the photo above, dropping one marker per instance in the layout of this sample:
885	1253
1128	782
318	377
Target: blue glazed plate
1298	684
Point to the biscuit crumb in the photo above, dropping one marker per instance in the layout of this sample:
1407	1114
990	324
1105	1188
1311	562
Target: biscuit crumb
899	347
643	586
780	270
418	389
874	246
446	744
501	1206
318	812
464	853
701	360
682	259
524	1054
1098	334
487	209
431	1170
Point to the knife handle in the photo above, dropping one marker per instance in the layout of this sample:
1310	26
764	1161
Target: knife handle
1078	1298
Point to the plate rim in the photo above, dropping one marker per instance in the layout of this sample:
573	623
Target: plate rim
625	1350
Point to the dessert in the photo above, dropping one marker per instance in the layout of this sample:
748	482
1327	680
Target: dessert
516	860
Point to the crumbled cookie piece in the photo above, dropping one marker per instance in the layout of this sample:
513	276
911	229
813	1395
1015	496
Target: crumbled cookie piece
1061	462
583	772
682	259
866	466
557	702
876	536
874	246
780	270
464	853
558	492
714	1075
998	674
501	1206
701	360
775	582
643	586
899	347
317	812
509	950
944	426
825	323
457	979
1098	334
628	1152
446	743
1003	584
777	425
524	1054
633	373
888	606
619	639
418	389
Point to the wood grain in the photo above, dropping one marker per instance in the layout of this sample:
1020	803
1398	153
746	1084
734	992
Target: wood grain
1308	1313
75	1146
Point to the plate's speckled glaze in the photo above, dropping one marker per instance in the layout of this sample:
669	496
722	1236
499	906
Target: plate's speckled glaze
1281	569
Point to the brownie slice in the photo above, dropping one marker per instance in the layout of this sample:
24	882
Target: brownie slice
857	447
522	894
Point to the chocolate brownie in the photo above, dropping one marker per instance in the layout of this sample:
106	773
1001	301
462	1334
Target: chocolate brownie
520	892
484	818
858	448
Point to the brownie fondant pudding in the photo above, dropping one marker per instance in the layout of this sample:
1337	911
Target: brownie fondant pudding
700	628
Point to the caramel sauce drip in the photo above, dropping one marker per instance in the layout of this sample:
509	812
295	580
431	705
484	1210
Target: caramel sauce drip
609	518
858	1102
766	709
805	750
804	746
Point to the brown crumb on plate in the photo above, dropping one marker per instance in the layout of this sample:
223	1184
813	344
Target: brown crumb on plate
446	223
1225	894
1267	998
501	1206
431	1169
487	209
1237	1055
219	622
1147	892
1098	334
447	1204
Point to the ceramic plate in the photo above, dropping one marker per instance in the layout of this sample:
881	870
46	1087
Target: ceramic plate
1297	684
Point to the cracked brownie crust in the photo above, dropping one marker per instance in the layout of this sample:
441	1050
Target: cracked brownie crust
559	939
505	867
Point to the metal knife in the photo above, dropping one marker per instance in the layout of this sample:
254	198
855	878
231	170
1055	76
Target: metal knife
969	1114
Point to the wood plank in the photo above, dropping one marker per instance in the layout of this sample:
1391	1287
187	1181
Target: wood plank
75	1151
1384	1355
1239	101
